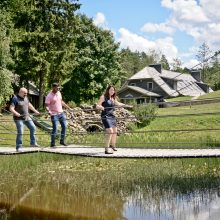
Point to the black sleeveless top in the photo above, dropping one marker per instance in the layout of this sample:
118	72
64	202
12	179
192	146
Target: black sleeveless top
108	104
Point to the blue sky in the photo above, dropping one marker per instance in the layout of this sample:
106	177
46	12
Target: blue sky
175	28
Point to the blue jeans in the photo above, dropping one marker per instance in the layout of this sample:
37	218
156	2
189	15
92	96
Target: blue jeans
20	130
62	119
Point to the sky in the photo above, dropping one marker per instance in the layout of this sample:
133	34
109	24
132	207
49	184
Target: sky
175	28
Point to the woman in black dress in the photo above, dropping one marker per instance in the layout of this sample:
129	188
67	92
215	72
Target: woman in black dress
107	103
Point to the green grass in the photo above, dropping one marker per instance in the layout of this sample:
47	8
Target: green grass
190	139
180	98
212	95
72	184
190	109
8	133
144	137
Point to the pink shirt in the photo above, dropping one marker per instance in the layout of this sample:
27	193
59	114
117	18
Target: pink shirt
54	102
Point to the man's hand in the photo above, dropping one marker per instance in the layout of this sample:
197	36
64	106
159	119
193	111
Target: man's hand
37	113
17	114
128	106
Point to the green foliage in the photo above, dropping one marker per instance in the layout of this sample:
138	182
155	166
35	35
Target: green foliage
97	63
145	114
213	73
44	41
5	58
202	55
164	62
132	62
72	104
177	65
210	66
5	86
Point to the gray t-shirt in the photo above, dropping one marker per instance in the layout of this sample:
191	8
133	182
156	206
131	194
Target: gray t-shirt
21	106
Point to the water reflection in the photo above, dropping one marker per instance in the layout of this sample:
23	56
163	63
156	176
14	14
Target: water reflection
55	203
198	205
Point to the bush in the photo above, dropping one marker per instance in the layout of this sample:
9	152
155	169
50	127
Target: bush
72	104
145	114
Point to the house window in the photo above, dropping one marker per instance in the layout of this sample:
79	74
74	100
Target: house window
150	86
133	84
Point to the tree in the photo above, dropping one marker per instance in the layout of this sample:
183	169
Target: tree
214	73
177	65
132	62
5	58
44	43
97	59
203	56
164	62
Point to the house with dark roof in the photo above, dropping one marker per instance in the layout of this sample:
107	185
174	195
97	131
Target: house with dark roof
153	84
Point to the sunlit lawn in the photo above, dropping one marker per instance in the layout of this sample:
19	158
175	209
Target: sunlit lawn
155	135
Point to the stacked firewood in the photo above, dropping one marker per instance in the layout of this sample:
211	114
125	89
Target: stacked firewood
87	118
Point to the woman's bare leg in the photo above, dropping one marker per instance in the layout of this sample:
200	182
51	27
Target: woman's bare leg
108	137
114	137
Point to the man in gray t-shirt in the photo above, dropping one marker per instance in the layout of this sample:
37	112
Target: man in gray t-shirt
20	106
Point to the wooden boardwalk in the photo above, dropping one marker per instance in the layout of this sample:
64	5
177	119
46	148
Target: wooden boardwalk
89	151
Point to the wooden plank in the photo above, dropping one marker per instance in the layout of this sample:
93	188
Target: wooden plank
89	151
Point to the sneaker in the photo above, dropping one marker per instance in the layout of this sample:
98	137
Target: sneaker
113	148
20	149
34	145
108	151
63	143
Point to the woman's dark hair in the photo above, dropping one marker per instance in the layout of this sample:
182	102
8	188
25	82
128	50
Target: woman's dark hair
107	92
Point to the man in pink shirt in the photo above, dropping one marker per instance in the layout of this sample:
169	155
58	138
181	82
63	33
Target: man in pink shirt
54	106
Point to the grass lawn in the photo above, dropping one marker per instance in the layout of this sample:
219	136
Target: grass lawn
211	95
183	139
147	137
181	98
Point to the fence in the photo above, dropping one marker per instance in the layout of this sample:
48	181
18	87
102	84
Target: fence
188	137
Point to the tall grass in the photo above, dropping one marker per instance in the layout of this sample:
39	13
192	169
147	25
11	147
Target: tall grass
96	185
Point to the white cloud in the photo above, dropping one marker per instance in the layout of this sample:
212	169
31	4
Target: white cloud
134	41
191	63
198	19
138	43
186	10
100	19
211	9
162	27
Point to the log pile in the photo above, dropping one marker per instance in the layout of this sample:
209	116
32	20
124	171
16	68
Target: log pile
88	119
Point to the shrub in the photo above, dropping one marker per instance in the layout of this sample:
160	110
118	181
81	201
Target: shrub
145	114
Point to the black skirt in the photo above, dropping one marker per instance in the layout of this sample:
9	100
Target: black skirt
109	122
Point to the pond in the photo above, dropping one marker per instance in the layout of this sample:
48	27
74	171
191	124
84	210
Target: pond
62	187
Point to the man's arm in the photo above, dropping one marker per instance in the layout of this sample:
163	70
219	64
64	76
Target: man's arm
65	105
31	107
12	110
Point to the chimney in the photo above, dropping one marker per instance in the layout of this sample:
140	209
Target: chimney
196	74
157	67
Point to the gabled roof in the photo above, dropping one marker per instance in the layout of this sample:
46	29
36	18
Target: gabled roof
188	88
33	90
186	84
140	90
146	73
151	73
176	75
